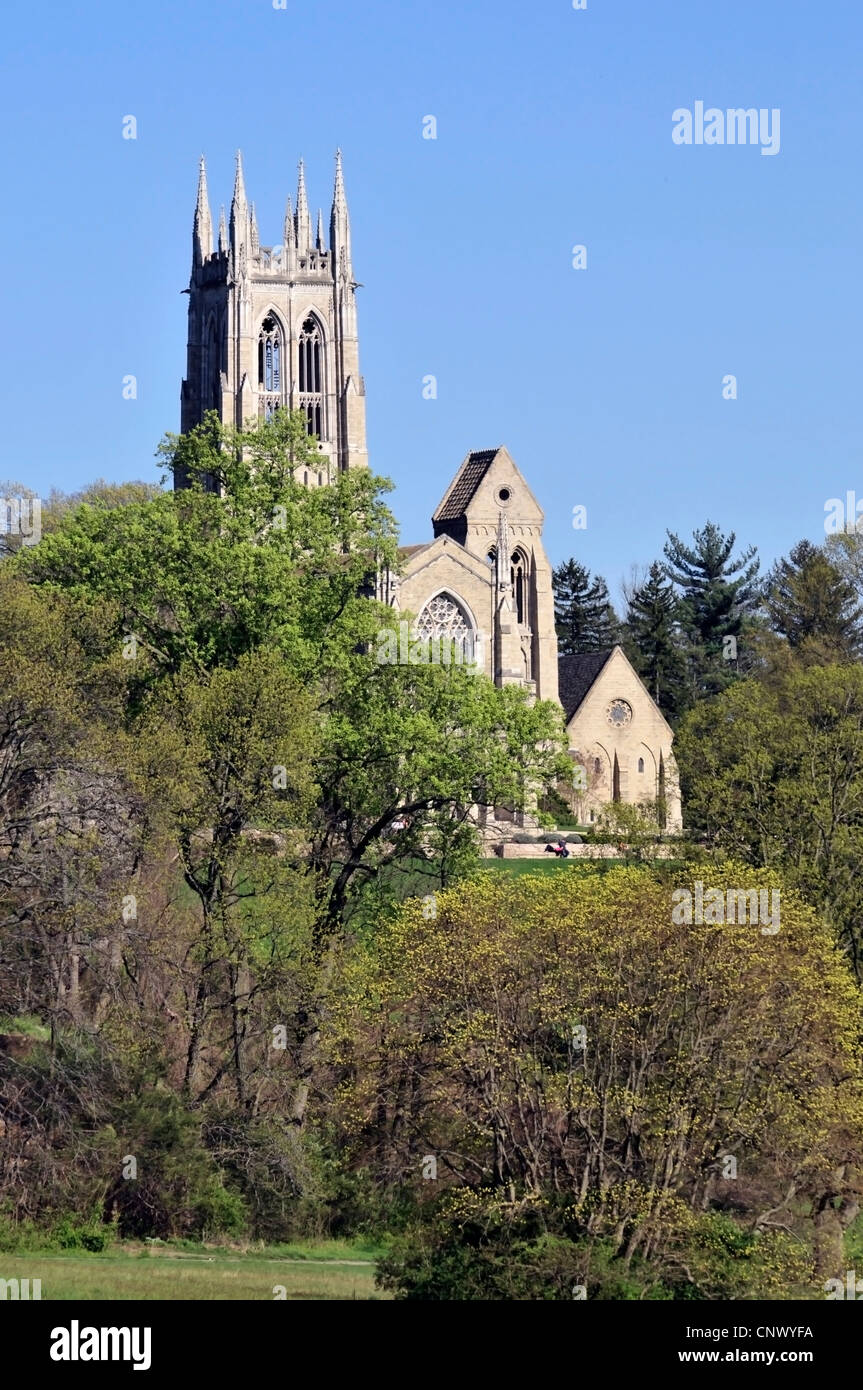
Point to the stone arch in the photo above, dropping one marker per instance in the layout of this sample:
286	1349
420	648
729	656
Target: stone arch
519	568
311	372
271	372
446	615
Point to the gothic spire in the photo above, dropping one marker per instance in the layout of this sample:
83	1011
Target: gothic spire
321	244
255	241
240	231
239	197
203	230
223	231
340	226
304	226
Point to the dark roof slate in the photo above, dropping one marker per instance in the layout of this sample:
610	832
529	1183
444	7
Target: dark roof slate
465	484
576	674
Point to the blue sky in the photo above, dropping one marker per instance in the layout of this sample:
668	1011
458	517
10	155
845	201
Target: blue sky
554	129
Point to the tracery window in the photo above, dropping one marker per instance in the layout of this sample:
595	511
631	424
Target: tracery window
271	354
310	375
443	617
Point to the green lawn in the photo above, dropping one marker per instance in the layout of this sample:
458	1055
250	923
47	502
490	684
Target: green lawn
548	864
210	1274
579	868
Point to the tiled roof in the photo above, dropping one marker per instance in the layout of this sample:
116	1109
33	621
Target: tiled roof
576	674
465	484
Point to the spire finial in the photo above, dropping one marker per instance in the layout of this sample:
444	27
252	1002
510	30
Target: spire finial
239	181
339	189
240	230
304	226
203	228
340	226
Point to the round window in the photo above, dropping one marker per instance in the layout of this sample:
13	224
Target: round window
504	494
619	713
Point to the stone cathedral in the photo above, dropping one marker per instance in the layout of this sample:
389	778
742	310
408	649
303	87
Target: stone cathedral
276	327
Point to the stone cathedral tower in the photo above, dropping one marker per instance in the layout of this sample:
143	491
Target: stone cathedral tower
273	326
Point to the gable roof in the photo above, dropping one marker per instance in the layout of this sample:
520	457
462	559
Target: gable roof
576	674
465	483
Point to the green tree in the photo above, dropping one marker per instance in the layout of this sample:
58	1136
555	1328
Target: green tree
813	607
653	641
773	774
718	594
584	618
510	1056
212	592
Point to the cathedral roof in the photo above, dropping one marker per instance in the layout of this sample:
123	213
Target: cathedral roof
464	484
576	675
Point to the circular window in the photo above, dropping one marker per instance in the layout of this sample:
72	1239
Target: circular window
619	713
504	494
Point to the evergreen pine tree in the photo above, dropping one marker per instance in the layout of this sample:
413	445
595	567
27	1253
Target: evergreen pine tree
718	594
584	618
813	606
654	643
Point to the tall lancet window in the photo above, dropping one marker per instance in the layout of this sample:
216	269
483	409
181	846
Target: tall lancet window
212	368
518	573
271	354
311	382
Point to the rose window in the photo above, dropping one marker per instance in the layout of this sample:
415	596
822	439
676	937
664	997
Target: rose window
619	713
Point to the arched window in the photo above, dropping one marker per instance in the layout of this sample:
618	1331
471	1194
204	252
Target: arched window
310	375
641	764
271	356
444	621
518	571
211	394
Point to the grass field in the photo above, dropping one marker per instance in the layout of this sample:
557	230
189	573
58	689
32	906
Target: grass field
548	864
326	1273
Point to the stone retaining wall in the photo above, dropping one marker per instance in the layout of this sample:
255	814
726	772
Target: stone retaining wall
508	850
